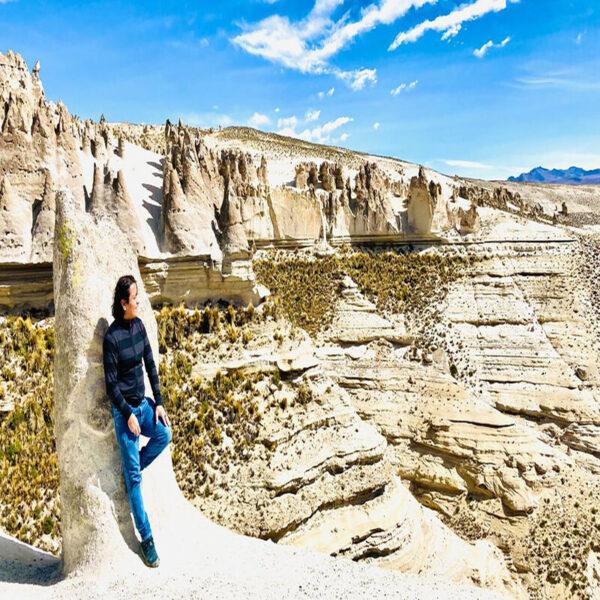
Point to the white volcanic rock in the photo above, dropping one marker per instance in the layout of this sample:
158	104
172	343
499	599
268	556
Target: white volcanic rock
356	320
15	222
327	485
395	532
36	137
410	403
523	324
328	481
43	226
421	205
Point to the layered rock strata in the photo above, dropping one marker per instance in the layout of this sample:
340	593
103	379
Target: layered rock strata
322	477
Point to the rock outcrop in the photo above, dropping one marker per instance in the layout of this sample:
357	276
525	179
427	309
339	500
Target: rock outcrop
468	221
191	188
110	199
234	242
36	136
15	219
326	481
422	200
43	225
340	199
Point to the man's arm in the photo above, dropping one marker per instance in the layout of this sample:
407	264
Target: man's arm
110	358
151	367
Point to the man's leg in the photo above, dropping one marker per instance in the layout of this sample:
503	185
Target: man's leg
130	455
159	434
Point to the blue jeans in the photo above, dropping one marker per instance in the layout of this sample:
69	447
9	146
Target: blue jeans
134	461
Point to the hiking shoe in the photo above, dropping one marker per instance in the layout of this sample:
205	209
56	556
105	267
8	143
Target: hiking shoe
149	555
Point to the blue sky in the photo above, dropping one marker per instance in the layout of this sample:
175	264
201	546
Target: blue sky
484	88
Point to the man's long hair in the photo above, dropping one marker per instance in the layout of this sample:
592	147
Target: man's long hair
121	293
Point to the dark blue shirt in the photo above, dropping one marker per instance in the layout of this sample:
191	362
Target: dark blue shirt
125	344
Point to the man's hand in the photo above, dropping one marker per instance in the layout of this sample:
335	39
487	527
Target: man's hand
160	412
133	424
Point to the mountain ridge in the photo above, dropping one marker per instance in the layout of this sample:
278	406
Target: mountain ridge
573	176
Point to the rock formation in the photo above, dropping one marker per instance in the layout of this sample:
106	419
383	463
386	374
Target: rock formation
327	482
234	242
468	220
301	180
110	199
368	201
422	199
191	191
177	218
43	226
36	136
15	221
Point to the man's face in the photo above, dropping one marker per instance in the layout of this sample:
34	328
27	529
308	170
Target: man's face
131	307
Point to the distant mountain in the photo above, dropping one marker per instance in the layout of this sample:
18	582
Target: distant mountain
572	175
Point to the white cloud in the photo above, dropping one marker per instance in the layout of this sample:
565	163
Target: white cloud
557	82
289	131
358	79
376	126
277	109
259	120
290	122
329	93
452	32
481	52
404	87
206	119
467	164
312	115
309	44
451	23
579	38
333	125
320	134
344	137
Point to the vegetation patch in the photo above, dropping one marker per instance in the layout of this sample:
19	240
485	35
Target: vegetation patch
29	476
306	289
412	284
215	423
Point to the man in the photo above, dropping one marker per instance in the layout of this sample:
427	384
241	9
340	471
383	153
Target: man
125	345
